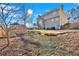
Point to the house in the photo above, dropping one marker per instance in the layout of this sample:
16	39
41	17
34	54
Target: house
18	27
53	19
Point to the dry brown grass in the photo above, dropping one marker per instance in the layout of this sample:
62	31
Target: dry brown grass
2	33
34	44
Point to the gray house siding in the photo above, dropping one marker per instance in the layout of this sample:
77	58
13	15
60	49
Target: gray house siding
53	23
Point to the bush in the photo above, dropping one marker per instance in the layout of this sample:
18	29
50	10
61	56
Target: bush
49	45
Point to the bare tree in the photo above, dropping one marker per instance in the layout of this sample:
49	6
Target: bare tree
25	14
7	13
43	21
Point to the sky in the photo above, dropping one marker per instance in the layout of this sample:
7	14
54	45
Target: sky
42	8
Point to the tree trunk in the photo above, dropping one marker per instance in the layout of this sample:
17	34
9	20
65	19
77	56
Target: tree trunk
25	23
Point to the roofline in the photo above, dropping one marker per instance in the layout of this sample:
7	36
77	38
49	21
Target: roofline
50	12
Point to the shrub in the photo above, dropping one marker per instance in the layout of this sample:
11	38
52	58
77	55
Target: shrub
49	45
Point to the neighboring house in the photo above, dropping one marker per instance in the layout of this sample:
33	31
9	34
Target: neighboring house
18	27
53	19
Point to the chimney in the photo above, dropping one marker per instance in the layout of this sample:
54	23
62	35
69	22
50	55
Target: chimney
62	7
